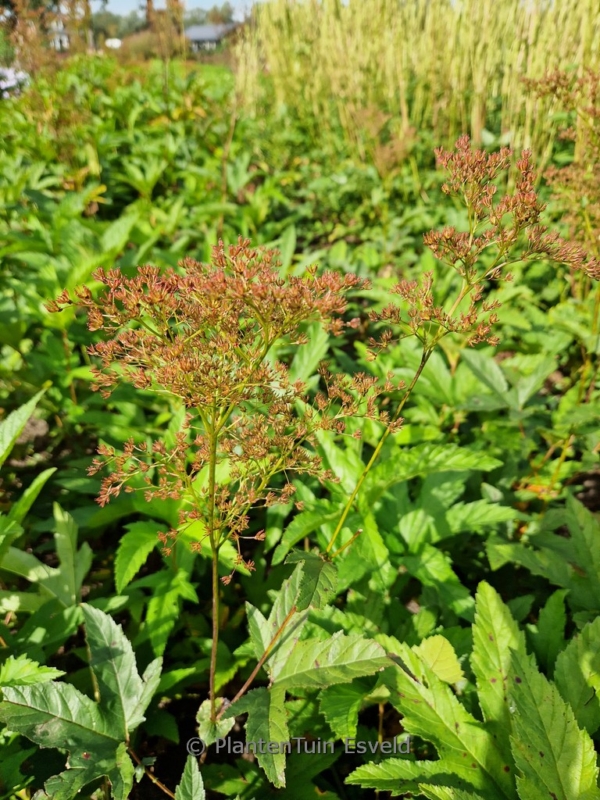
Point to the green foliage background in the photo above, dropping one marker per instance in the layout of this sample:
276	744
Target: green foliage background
465	614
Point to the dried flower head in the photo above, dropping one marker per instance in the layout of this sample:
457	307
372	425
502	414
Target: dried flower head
205	336
503	229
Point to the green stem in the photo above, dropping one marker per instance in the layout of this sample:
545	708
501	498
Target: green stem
424	359
262	660
149	775
214	545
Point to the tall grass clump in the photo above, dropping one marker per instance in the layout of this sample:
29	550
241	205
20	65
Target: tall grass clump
389	68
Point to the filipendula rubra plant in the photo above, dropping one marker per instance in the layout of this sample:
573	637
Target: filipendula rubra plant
205	335
500	232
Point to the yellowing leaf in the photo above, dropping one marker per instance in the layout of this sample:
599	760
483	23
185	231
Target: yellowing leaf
441	659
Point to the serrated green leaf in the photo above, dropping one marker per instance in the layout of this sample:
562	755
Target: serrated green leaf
495	636
577	676
318	582
439	655
368	556
267	721
570	562
433	568
259	630
208	731
467	750
191	786
445	793
489	374
421	460
303	524
555	758
400	776
343	462
307	357
19	509
113	663
341	658
117	767
476	516
134	548
12	427
284	623
340	705
22	671
548	638
58	715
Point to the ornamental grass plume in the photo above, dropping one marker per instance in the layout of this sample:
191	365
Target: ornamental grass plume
576	186
205	336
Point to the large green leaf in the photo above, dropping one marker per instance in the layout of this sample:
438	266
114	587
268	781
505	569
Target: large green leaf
318	582
12	426
24	503
490	375
340	705
22	671
495	637
555	758
57	715
283	625
468	752
571	562
307	358
340	659
548	637
267	721
120	686
191	786
577	676
400	776
95	734
428	458
302	525
134	548
62	583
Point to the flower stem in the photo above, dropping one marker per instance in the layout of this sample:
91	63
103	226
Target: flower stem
262	660
214	545
424	359
148	774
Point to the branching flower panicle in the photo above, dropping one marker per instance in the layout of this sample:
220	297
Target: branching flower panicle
497	229
203	336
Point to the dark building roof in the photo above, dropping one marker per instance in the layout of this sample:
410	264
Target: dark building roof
207	33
